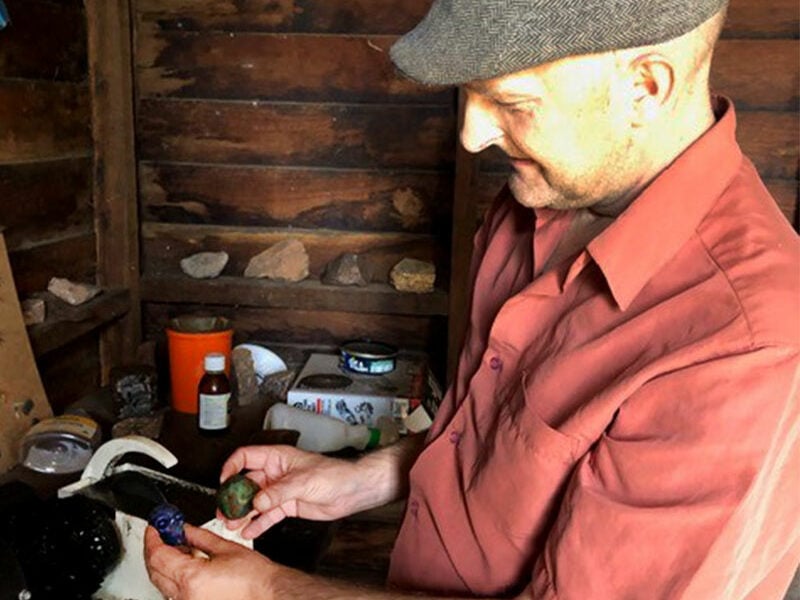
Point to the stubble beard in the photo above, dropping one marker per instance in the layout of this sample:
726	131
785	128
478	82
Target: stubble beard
536	191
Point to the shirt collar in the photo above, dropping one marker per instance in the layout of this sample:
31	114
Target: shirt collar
658	223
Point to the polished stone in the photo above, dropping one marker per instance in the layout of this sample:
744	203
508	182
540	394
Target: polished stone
235	496
168	521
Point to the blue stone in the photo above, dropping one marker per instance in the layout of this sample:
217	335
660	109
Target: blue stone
168	520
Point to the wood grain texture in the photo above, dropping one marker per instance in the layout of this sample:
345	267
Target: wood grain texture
45	141
114	190
760	19
357	136
341	16
164	245
58	55
70	372
758	74
785	192
770	140
309	294
356	200
315	327
40	120
746	18
307	68
70	256
41	199
248	136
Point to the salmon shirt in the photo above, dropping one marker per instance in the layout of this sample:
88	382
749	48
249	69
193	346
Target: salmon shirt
622	424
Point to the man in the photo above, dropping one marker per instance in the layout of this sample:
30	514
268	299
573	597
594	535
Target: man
624	418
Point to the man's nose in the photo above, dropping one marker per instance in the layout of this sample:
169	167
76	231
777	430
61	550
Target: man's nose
480	128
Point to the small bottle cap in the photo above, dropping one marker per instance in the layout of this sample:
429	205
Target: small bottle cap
214	362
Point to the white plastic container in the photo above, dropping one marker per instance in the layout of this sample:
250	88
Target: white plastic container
320	433
59	445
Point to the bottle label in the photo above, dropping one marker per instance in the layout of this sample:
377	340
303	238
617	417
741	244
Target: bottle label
213	411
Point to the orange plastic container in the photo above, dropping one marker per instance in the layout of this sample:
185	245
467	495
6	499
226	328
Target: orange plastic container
189	339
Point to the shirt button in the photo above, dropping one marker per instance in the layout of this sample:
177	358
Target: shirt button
496	363
455	436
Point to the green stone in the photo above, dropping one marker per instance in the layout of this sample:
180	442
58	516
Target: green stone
235	496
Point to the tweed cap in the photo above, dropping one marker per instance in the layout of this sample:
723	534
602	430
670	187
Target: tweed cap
467	40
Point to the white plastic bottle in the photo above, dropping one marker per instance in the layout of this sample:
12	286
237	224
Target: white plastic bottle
321	433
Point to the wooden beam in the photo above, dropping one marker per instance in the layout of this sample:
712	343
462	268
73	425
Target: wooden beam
464	219
261	196
114	193
305	295
308	327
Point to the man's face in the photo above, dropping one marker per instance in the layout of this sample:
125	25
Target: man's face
564	127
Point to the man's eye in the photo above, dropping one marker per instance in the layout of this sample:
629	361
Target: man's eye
517	107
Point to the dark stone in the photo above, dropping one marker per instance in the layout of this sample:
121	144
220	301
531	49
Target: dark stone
64	547
134	390
244	376
235	496
149	427
275	387
344	270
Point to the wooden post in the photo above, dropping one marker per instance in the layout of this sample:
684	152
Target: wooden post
464	220
114	181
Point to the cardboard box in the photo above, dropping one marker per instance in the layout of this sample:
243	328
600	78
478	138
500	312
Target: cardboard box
324	387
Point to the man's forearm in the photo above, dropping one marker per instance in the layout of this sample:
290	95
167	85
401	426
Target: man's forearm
386	470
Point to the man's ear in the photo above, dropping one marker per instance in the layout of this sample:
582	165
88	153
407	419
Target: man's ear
653	86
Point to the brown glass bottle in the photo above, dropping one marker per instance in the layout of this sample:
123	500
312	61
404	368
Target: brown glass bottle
214	396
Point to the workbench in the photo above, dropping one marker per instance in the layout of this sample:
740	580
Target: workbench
354	549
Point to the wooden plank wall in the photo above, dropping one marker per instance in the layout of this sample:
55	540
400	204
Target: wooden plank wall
46	167
757	64
259	121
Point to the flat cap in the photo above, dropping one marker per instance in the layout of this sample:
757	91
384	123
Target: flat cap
468	40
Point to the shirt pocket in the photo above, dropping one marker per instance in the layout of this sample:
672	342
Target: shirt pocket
526	421
521	470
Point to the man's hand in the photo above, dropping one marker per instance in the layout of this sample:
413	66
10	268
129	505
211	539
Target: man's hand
294	483
230	571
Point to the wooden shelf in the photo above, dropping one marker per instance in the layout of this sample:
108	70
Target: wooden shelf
304	295
65	323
